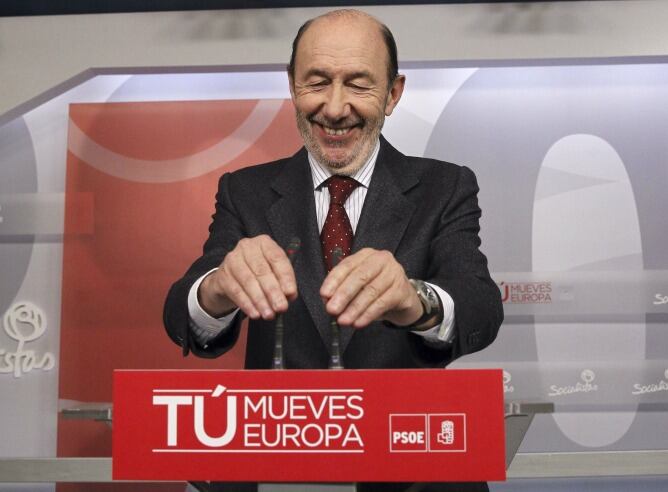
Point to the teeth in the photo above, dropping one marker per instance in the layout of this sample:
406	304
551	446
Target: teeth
333	131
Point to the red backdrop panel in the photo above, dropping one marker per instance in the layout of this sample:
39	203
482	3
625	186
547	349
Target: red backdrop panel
126	241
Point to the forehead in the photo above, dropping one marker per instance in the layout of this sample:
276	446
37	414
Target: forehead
342	44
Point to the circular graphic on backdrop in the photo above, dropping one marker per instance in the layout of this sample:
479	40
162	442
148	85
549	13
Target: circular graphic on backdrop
503	122
18	174
171	146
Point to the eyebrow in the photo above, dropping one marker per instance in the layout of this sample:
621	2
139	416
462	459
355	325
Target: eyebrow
316	72
362	74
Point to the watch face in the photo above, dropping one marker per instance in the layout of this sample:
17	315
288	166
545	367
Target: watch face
429	299
425	295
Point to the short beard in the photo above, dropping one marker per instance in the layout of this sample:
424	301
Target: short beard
358	156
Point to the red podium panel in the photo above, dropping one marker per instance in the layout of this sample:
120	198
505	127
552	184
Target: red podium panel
309	426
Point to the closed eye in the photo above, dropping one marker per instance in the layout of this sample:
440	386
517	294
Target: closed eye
319	84
359	87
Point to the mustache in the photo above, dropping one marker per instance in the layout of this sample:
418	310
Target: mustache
336	124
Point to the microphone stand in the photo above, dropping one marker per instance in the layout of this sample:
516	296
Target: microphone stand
278	360
335	361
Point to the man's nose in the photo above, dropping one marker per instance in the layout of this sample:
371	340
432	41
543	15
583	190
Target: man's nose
336	106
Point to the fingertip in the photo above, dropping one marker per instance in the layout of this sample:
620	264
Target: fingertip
326	290
359	323
333	308
280	305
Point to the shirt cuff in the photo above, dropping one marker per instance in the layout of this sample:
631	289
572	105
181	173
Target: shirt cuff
204	326
444	333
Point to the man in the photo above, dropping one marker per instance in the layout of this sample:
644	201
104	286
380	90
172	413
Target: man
413	291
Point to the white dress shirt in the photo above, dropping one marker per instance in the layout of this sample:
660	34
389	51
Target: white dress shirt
206	327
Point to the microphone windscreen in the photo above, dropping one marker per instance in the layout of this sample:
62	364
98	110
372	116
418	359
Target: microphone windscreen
293	247
337	255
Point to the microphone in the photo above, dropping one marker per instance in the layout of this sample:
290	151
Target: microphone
293	248
335	330
278	361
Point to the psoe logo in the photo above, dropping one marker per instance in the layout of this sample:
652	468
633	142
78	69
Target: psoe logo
526	292
643	389
507	387
446	436
24	323
428	433
223	420
585	386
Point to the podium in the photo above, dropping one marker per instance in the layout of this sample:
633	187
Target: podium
309	426
517	417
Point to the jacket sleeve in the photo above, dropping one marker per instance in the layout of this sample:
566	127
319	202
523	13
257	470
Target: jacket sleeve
225	231
457	265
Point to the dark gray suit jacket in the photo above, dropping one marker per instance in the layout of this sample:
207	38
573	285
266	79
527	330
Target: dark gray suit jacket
424	211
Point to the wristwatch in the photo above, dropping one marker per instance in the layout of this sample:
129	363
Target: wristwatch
432	309
431	304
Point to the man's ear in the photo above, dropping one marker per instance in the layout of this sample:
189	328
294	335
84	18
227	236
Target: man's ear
394	94
291	83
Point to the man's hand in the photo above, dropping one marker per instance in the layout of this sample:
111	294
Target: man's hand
255	276
368	286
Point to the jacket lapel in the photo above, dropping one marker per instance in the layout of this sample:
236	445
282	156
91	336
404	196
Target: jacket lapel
386	211
293	215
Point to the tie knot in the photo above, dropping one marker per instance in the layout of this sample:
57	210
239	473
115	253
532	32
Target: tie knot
340	188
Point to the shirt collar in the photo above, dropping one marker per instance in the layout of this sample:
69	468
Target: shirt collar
320	173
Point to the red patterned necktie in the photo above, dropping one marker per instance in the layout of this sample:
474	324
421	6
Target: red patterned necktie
337	231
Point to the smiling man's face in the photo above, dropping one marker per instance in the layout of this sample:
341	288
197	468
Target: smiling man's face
340	90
